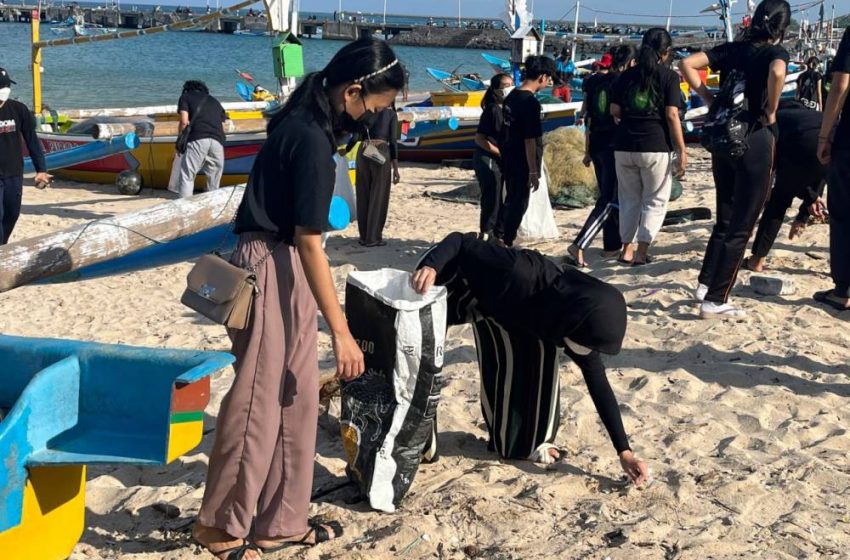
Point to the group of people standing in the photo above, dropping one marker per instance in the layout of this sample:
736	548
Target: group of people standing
632	110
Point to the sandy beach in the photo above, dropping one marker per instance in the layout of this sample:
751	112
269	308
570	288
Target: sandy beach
743	424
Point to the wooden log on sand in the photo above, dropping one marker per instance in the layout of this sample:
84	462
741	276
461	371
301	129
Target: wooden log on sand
47	255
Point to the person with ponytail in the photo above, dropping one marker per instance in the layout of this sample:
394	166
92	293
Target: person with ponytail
742	184
265	438
599	151
646	100
487	160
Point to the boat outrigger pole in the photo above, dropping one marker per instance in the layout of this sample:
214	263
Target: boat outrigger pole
37	45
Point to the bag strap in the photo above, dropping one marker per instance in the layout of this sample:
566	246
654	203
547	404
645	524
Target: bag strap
253	268
198	112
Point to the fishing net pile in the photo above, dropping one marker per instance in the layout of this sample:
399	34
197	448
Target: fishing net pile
570	182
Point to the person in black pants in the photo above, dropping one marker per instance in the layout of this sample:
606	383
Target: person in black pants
599	151
798	174
522	150
377	170
834	150
742	184
487	160
523	293
16	122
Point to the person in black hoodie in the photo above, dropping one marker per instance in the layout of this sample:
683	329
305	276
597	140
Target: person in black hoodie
798	174
742	183
522	291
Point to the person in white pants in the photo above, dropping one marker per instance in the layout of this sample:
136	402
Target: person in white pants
646	99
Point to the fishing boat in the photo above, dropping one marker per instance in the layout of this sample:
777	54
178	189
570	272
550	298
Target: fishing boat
83	30
154	156
452	81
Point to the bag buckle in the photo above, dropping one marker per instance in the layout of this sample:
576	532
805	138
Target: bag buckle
206	291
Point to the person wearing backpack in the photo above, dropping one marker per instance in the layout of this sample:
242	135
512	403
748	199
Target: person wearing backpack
834	151
646	100
810	85
599	150
742	176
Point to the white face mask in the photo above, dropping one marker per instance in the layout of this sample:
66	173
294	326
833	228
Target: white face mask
4	94
506	91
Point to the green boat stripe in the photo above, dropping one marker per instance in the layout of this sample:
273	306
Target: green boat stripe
180	417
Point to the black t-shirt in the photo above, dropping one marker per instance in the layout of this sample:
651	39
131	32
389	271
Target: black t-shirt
597	95
292	181
522	114
491	124
207	122
643	113
798	133
754	61
807	87
842	64
17	122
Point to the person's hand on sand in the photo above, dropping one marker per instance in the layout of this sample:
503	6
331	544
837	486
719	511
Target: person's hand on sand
396	176
797	229
423	279
635	469
349	357
818	208
533	182
586	161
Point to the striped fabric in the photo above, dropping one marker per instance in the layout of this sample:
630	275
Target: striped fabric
584	241
520	387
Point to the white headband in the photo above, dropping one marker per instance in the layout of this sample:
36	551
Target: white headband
375	73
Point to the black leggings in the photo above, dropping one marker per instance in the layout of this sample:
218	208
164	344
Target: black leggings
794	178
838	201
742	187
490	181
516	203
605	215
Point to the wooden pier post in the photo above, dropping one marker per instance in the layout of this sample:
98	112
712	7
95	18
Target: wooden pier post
36	63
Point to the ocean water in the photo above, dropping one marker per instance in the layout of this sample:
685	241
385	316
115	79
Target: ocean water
151	70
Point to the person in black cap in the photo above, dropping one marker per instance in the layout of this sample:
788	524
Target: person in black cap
529	298
16	122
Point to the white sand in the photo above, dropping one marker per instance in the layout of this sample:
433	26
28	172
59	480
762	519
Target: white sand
743	424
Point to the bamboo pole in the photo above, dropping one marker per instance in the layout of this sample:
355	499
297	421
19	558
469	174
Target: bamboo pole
140	32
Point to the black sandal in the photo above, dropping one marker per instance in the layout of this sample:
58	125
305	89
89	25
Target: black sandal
826	297
235	553
316	527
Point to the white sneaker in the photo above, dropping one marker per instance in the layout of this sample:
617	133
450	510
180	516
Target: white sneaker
700	292
711	310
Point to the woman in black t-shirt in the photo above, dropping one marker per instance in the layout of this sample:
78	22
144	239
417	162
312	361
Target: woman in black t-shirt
487	159
810	85
262	458
646	100
599	151
742	184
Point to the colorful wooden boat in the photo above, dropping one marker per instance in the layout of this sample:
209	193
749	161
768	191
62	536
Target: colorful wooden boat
71	404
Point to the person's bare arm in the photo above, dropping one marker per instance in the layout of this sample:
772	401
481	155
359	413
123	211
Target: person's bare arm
675	127
349	357
616	112
820	94
484	142
832	110
690	68
531	159
775	83
184	121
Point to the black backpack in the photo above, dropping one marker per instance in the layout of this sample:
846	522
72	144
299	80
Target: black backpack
724	131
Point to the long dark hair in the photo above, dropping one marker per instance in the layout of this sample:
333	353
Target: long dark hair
770	21
367	61
493	95
621	56
656	42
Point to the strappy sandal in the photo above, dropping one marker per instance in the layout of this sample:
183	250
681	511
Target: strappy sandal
317	527
828	297
571	260
235	553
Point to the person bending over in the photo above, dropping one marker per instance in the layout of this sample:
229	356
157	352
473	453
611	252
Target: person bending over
524	292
